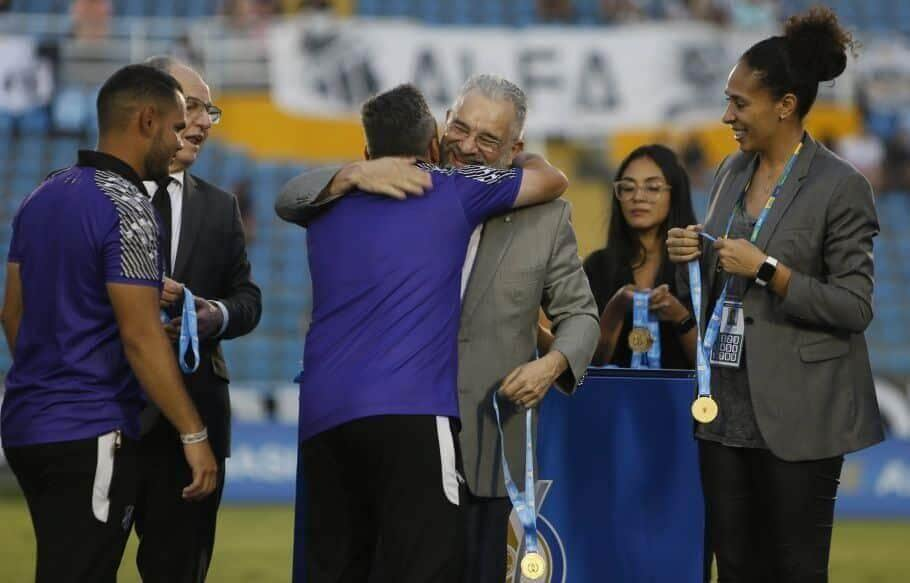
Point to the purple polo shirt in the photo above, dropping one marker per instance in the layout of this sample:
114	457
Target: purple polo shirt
82	228
386	298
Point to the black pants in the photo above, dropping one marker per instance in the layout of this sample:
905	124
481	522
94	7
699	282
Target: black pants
486	538
382	502
176	536
770	521
80	495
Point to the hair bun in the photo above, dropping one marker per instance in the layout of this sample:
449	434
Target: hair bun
818	44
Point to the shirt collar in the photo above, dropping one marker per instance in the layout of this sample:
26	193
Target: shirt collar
177	177
104	161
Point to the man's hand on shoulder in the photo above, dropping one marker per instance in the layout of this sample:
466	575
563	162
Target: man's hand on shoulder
393	177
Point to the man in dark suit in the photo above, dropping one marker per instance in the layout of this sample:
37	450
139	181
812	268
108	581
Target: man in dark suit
204	250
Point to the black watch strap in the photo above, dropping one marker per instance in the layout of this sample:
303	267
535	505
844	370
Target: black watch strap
685	325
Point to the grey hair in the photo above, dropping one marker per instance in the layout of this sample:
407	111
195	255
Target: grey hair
167	64
497	88
163	63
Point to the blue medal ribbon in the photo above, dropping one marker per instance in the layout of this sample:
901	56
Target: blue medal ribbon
524	503
704	348
643	318
189	332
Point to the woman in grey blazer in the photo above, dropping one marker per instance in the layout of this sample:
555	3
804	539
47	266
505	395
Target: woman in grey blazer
790	372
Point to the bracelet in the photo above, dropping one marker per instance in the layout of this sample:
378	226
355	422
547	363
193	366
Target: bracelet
685	325
191	438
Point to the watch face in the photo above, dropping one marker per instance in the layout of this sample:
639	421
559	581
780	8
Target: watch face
766	272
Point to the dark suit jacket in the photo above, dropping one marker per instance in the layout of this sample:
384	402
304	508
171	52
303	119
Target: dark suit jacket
212	262
807	359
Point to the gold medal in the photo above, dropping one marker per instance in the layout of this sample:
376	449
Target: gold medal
704	409
640	340
533	566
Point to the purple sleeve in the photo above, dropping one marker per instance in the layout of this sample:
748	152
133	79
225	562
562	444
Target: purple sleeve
15	244
486	192
130	245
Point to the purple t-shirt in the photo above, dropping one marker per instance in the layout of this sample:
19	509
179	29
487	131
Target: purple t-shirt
84	227
386	298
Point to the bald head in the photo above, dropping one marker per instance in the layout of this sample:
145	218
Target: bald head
198	102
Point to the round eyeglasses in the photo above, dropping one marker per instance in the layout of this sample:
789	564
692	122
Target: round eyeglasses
626	190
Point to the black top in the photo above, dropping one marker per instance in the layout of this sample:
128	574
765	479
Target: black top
606	275
735	424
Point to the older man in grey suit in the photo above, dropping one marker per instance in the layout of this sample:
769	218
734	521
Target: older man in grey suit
516	264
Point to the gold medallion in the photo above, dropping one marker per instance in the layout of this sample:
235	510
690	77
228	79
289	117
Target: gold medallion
533	566
704	409
640	340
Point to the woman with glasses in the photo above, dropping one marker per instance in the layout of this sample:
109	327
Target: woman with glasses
650	196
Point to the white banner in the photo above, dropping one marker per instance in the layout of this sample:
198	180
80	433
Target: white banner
26	78
579	81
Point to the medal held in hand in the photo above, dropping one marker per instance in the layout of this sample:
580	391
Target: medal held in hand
644	339
640	340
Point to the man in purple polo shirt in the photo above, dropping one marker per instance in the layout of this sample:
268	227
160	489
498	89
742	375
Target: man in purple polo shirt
80	309
378	389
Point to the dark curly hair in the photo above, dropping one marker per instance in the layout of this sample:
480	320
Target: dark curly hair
813	49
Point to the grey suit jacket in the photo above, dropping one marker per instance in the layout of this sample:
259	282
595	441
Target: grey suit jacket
527	259
807	359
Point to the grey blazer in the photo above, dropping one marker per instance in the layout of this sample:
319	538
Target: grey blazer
526	260
807	359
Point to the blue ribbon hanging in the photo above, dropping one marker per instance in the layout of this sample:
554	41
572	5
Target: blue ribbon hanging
189	332
643	318
704	347
524	503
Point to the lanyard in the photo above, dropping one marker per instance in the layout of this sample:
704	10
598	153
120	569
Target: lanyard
642	318
523	503
704	347
771	199
189	332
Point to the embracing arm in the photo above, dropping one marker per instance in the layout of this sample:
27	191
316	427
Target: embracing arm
540	182
305	196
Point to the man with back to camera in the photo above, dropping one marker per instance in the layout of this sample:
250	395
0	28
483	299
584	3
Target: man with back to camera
525	260
80	309
378	388
205	251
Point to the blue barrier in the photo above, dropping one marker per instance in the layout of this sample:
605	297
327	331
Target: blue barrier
875	483
623	499
263	463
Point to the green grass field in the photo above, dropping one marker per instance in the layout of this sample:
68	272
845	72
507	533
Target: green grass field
254	546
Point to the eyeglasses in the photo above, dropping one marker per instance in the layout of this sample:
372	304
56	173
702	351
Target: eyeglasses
195	107
626	190
485	143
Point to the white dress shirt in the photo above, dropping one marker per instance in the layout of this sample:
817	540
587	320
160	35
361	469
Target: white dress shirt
470	257
175	191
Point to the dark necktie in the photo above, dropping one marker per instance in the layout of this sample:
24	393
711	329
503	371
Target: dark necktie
162	203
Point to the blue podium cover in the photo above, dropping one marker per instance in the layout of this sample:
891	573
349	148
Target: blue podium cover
619	492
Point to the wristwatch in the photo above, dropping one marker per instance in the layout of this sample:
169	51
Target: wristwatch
685	325
766	271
